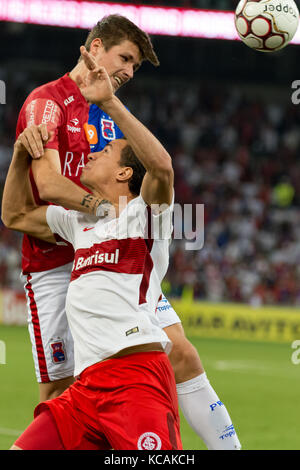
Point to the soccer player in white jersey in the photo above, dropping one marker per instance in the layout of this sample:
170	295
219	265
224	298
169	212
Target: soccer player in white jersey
196	396
125	393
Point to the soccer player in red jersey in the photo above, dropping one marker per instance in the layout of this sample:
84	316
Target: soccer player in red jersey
61	109
125	393
56	178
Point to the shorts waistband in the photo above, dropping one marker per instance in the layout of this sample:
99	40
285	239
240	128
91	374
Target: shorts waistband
109	363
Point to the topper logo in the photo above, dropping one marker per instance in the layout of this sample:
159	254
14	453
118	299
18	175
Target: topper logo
74	121
73	128
286	8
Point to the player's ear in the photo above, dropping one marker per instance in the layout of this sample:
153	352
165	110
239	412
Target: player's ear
124	174
96	46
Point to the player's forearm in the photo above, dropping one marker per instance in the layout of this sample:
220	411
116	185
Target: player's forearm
17	195
145	145
19	210
60	190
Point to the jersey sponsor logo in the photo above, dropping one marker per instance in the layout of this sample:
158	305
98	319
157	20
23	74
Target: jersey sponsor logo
149	441
127	256
96	259
163	305
30	113
73	129
90	133
43	111
69	100
58	354
49	112
108	129
74	121
229	431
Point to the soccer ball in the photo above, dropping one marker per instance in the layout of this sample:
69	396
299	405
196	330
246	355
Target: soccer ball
266	25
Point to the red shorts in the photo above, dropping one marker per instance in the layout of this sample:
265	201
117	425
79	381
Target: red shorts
126	403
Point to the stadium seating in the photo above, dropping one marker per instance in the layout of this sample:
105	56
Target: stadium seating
236	156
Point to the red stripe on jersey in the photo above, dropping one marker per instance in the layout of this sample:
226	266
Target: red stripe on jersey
172	431
146	276
128	256
149	262
37	332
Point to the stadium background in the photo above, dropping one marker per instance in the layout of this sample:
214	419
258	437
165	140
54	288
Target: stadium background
225	114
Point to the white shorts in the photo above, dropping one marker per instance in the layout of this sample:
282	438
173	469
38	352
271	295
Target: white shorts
51	339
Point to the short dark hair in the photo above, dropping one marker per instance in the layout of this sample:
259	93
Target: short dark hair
114	29
128	158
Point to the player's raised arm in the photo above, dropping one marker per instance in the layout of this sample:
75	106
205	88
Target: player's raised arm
52	185
157	187
19	210
56	188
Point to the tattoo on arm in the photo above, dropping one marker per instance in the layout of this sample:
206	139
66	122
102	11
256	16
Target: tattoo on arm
87	200
99	207
103	208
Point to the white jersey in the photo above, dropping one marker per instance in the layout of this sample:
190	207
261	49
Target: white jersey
116	278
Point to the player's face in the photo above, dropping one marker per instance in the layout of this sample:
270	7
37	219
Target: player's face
120	61
102	168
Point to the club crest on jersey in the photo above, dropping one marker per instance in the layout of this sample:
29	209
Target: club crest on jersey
58	353
108	129
149	441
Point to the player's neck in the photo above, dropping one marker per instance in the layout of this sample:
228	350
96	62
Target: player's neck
79	70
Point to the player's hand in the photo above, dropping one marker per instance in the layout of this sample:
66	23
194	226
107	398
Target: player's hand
96	87
33	139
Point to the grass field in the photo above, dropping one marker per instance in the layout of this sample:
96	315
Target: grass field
257	381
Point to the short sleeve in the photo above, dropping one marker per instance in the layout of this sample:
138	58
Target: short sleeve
157	220
162	221
61	223
43	111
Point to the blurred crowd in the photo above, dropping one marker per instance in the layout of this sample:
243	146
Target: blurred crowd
239	157
236	155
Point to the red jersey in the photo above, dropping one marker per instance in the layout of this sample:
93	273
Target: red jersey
61	106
